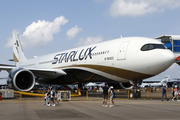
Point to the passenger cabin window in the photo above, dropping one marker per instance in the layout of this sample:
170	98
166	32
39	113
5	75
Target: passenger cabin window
152	46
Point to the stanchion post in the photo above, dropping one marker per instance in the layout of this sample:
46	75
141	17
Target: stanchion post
148	93
43	96
128	94
20	96
64	95
86	94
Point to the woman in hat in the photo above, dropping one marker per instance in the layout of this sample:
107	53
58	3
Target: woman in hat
112	96
175	93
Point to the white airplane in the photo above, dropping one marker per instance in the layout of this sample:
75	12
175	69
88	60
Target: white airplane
118	60
101	84
159	84
91	84
95	84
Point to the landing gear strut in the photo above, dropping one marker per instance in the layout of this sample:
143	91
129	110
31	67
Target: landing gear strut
136	92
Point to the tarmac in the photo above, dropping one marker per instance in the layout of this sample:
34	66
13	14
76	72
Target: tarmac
88	110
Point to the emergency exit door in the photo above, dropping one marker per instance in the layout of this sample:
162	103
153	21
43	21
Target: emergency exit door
122	51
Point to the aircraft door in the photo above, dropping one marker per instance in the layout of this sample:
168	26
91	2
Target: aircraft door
122	51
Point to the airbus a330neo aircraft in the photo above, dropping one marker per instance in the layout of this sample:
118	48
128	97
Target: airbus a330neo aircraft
120	60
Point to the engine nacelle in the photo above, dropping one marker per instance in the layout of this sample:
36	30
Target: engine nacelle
127	85
21	79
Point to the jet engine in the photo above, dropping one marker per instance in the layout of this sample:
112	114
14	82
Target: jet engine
21	79
127	85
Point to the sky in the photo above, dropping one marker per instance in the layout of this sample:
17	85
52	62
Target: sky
47	26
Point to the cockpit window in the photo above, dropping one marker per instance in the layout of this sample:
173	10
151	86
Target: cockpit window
145	47
152	46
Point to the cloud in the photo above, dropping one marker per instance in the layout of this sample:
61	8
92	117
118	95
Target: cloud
71	33
136	8
39	33
89	41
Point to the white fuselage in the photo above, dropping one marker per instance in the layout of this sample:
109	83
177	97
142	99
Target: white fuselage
120	59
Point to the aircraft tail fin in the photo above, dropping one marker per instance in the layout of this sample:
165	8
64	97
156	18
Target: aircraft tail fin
165	80
178	60
18	53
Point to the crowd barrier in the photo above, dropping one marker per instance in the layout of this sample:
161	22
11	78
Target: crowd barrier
38	95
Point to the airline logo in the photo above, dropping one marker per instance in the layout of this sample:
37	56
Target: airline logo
74	55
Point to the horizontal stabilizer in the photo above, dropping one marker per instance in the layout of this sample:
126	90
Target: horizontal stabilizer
3	78
6	67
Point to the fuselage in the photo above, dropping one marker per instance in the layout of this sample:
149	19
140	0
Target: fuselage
120	60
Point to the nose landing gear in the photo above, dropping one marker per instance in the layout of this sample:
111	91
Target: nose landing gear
136	92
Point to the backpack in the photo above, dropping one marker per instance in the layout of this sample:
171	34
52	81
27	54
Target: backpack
53	93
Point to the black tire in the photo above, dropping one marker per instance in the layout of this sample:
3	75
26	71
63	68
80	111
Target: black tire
131	94
135	94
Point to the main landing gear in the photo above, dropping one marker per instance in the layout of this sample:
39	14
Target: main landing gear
135	92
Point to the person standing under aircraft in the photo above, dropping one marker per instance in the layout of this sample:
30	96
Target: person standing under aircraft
164	88
53	97
48	98
50	88
105	95
112	96
45	97
175	93
56	97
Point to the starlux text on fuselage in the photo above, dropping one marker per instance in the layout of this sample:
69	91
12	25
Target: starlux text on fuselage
73	55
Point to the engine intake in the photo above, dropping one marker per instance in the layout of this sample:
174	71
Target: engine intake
21	79
127	85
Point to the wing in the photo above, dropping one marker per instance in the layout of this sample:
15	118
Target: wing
47	73
40	72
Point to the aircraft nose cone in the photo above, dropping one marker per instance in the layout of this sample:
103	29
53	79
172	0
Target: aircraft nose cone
163	61
159	61
168	58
